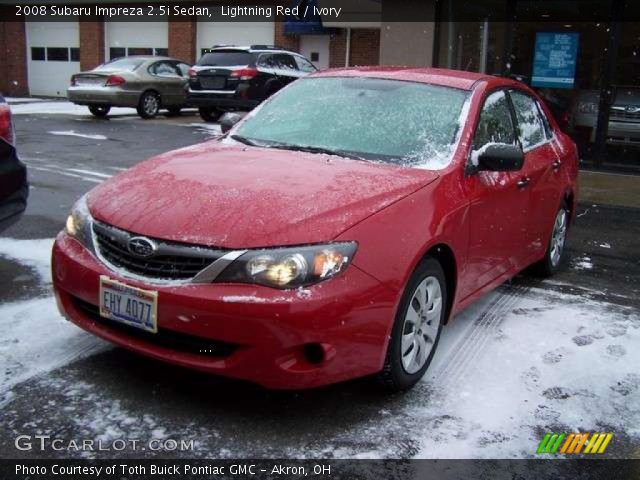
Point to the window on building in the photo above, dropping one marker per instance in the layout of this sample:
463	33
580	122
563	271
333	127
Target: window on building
495	124
139	51
163	52
57	54
117	52
530	126
75	54
38	54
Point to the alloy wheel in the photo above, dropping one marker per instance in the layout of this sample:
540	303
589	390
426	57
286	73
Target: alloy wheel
558	237
421	324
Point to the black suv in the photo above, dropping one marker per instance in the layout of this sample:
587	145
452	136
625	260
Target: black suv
13	174
229	78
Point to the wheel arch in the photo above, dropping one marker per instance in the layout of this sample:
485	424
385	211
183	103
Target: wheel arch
443	253
152	90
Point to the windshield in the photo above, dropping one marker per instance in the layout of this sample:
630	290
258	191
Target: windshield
129	64
392	121
228	58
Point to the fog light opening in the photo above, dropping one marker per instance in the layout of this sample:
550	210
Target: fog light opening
314	353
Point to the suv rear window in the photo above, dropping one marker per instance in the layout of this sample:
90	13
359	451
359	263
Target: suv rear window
129	64
227	58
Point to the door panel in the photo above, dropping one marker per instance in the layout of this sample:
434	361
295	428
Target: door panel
498	204
540	168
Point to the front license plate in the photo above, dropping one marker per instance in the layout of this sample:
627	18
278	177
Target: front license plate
129	305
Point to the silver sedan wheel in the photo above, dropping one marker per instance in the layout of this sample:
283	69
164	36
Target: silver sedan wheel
421	325
558	237
150	104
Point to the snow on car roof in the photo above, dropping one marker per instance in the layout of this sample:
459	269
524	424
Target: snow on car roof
436	76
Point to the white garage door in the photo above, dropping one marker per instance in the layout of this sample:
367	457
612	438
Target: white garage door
234	33
54	55
136	38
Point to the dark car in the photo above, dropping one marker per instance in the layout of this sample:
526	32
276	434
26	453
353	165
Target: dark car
14	189
233	78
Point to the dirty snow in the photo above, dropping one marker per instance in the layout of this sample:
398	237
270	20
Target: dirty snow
522	361
583	263
12	100
22	353
73	133
63	107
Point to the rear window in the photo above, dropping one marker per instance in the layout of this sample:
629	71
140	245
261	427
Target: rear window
129	64
228	58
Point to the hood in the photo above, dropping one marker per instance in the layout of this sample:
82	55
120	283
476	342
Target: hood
247	197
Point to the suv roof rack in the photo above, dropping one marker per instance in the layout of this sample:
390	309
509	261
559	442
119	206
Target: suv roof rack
267	47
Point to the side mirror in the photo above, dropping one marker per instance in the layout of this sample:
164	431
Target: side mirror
229	119
498	157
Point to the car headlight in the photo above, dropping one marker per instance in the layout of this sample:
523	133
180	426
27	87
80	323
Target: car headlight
290	267
79	222
588	107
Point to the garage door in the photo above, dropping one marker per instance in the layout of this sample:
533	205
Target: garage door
234	33
54	55
136	38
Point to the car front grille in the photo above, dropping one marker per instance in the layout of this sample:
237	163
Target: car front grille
170	339
168	261
624	115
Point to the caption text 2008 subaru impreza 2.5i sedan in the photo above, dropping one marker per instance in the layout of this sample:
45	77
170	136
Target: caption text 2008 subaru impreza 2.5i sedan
330	234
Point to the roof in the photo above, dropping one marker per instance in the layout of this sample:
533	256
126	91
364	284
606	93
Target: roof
436	76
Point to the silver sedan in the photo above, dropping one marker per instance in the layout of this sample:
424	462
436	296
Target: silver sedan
143	82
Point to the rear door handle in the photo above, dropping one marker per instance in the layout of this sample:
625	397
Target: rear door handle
523	182
556	165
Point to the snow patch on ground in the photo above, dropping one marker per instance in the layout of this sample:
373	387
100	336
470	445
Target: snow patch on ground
33	253
12	100
35	337
73	133
64	108
583	263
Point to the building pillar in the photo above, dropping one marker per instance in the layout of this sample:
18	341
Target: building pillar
91	44
182	40
13	59
338	49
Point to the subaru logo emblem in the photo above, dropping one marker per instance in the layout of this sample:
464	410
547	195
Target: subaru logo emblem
142	247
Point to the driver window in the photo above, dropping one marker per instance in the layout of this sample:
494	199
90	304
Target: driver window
495	124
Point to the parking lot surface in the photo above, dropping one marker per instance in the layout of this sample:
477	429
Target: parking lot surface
558	355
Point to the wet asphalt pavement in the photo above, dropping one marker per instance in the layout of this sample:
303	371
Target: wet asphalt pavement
115	393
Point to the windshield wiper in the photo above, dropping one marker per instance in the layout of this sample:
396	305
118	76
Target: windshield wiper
245	140
310	149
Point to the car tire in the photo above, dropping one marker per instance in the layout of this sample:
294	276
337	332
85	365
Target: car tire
552	260
100	111
149	105
210	114
173	111
416	329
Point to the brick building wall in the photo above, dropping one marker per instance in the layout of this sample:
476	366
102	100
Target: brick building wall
13	59
365	47
338	49
291	42
182	40
91	44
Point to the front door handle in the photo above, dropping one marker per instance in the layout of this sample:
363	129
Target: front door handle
556	165
523	182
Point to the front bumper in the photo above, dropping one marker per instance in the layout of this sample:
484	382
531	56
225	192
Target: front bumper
112	96
213	100
289	339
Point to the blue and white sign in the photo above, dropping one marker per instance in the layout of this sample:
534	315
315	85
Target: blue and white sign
554	63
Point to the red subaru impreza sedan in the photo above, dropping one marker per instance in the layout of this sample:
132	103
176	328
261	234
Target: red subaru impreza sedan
330	234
